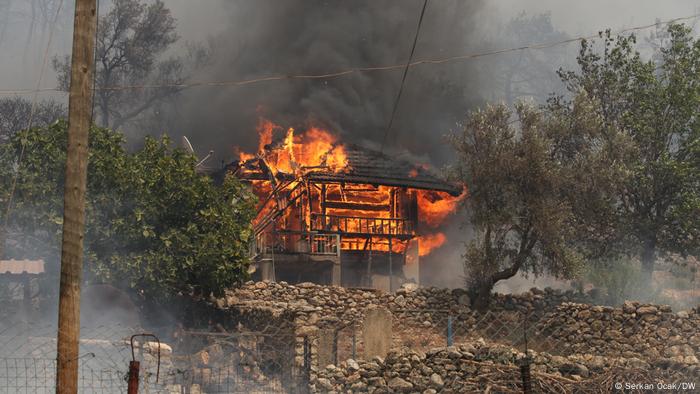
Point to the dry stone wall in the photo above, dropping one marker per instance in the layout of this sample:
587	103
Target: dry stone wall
320	306
633	330
480	366
582	339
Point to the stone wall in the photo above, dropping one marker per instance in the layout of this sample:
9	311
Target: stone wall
633	330
572	336
320	306
480	366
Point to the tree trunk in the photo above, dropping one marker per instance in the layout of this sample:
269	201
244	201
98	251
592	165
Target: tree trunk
482	295
648	258
482	290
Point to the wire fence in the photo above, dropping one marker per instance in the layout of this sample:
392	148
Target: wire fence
574	330
574	348
578	349
265	361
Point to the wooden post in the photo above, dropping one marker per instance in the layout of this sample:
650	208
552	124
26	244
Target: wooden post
391	269
324	226
336	278
79	117
369	264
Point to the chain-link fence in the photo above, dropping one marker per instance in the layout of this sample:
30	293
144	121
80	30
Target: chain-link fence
568	349
175	361
577	348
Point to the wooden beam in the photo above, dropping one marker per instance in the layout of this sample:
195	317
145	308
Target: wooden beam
356	206
323	206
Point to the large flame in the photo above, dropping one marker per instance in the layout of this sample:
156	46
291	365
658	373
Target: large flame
365	209
316	147
428	243
436	206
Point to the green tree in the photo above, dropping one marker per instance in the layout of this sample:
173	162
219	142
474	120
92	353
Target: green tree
654	103
529	185
154	225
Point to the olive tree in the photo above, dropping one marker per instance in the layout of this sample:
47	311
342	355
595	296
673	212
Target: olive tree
531	179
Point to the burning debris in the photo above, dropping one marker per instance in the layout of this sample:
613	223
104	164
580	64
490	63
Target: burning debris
323	201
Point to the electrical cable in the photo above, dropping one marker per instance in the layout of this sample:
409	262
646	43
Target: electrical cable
94	66
354	70
32	111
403	78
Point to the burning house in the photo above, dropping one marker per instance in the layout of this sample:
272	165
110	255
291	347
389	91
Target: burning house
341	215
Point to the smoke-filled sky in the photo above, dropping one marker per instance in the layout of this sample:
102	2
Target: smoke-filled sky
262	37
254	38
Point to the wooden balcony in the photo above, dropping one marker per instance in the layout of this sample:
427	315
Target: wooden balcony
361	226
268	244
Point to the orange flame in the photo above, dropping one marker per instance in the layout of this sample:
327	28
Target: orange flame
373	209
436	206
428	243
265	129
316	147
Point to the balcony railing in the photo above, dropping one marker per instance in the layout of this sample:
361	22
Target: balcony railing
361	225
267	244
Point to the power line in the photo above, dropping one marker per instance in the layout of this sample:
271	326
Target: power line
30	121
403	79
94	71
354	70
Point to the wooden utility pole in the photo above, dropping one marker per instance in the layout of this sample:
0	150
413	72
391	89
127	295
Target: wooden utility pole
79	118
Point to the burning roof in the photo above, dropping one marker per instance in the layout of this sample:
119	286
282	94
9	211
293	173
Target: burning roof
321	158
367	166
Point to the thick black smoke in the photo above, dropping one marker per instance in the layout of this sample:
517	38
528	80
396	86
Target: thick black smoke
271	37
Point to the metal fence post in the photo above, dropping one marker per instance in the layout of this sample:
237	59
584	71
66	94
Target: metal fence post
307	359
133	387
335	347
525	375
450	333
354	344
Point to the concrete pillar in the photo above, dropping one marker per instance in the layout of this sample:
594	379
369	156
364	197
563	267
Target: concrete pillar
377	332
266	270
412	262
391	268
336	274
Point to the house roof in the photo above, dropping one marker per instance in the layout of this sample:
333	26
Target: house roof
364	166
17	267
368	166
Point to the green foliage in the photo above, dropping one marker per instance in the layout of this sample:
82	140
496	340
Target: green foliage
654	103
527	186
153	224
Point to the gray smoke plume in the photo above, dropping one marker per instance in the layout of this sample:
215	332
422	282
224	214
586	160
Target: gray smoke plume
270	37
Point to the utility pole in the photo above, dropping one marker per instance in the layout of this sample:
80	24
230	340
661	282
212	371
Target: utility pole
79	118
